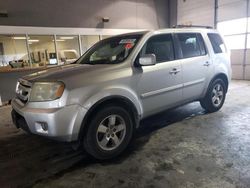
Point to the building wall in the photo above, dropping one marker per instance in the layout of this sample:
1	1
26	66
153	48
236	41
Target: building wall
129	14
172	14
195	12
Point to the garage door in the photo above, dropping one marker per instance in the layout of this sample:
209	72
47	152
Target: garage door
234	23
195	12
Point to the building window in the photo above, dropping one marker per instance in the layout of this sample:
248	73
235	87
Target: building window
248	41
105	36
42	50
13	51
235	32
231	27
235	42
68	49
88	41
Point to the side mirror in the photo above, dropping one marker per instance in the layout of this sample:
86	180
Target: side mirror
147	60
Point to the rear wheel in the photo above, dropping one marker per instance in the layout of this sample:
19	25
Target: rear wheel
109	133
215	96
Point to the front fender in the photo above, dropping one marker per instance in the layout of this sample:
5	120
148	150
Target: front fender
117	91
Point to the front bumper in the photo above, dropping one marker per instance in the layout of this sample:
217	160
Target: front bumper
61	124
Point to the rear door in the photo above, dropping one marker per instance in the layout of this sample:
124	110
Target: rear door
195	63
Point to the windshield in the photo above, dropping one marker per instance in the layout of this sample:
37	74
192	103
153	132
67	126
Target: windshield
110	51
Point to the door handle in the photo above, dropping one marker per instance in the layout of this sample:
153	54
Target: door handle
206	64
174	71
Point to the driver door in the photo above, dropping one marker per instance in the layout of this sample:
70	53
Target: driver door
160	85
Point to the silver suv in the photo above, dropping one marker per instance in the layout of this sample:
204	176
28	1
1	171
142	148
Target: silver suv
100	99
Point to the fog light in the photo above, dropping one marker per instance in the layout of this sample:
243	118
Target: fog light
44	125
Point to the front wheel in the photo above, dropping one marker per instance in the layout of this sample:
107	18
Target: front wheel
215	96
109	133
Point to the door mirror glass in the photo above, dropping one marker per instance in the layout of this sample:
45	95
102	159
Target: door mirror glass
147	60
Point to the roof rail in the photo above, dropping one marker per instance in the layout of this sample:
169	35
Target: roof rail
197	26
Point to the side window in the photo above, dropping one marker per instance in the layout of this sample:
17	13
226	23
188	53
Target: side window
189	43
202	44
161	46
217	43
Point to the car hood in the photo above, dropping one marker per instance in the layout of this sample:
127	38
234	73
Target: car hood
61	73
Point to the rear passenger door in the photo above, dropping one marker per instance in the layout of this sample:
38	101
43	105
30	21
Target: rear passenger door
195	63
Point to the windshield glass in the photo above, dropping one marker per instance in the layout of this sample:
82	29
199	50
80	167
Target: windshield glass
110	51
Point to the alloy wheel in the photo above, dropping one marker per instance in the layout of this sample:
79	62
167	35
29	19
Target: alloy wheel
111	132
217	95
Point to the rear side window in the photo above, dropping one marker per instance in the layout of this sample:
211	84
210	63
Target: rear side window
217	43
191	44
161	46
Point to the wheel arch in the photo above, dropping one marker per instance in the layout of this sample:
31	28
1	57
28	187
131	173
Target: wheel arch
115	100
222	76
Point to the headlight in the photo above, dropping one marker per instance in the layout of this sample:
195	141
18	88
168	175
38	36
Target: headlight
46	91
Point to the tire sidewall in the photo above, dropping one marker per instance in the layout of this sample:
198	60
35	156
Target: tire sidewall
210	94
90	141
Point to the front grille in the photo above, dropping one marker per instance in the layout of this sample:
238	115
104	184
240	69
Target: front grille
23	90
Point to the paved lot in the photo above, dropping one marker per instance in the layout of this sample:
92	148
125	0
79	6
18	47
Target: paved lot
183	147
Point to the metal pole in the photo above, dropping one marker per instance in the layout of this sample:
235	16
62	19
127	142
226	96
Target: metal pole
80	44
246	37
57	59
28	48
169	14
215	13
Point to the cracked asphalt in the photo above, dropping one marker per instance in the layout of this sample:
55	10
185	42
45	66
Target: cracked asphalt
183	147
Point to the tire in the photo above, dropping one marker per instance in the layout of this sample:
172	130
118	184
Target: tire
108	133
215	96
